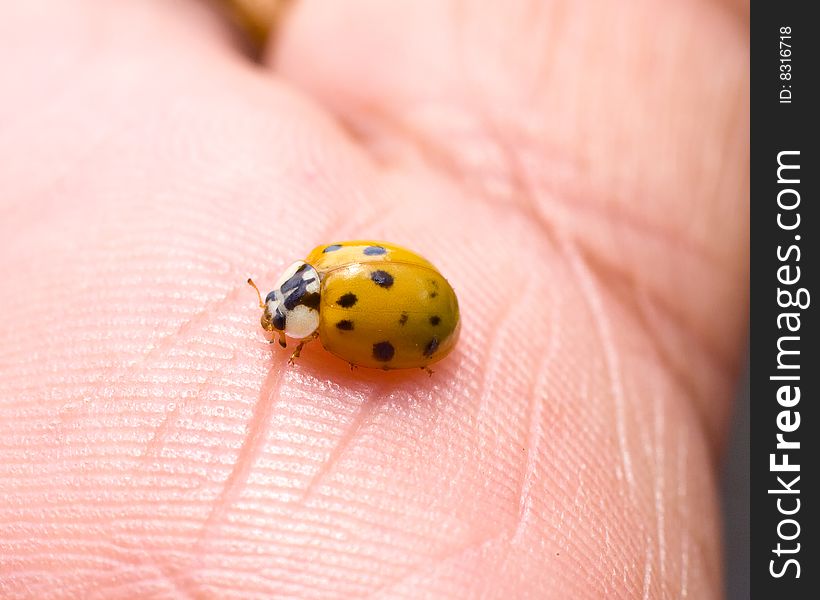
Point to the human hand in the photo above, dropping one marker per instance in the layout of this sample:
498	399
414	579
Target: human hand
575	170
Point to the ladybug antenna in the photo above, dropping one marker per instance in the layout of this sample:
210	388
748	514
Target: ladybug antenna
258	293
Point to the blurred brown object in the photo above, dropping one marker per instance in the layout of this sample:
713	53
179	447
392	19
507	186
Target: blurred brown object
257	18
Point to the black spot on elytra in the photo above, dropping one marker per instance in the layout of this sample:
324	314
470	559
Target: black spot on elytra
435	320
348	300
278	321
374	251
403	318
383	351
431	347
382	278
433	294
344	325
332	248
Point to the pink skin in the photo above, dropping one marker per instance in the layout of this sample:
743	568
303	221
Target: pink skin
575	169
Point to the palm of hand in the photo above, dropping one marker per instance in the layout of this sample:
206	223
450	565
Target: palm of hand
576	182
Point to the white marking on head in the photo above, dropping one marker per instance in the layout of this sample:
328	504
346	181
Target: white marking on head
301	322
298	282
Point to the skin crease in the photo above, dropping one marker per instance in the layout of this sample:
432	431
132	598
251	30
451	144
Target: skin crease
585	161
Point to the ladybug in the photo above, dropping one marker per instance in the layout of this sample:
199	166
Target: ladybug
372	304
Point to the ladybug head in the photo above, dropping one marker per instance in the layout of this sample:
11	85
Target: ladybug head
292	307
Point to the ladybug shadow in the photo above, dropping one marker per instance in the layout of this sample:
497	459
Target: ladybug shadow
317	363
329	378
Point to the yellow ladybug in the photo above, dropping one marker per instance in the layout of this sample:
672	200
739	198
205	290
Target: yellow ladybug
370	303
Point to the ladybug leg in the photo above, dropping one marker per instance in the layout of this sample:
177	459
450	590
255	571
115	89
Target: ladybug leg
298	350
281	340
429	371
